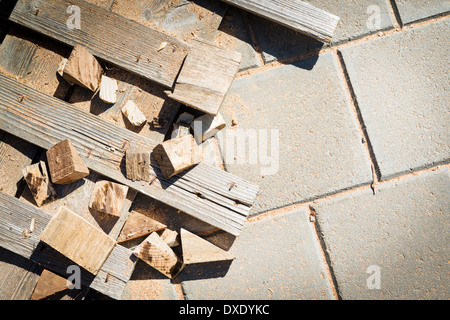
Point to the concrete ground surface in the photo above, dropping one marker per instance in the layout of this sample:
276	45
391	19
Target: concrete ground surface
349	143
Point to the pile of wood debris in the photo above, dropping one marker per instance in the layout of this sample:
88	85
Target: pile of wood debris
198	75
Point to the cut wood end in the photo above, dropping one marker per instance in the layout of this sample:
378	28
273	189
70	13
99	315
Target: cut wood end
108	89
134	114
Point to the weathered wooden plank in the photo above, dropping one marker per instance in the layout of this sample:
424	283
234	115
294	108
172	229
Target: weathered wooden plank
109	36
203	192
206	76
181	19
295	14
15	216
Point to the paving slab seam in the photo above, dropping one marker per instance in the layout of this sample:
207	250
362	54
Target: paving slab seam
381	33
325	256
294	207
376	173
395	13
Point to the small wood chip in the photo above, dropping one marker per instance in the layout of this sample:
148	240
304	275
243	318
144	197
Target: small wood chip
162	46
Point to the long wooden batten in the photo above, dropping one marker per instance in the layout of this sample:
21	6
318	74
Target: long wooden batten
204	191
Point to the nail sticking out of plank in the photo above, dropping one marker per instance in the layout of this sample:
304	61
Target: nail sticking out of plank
78	240
294	14
198	250
155	252
119	43
65	164
82	68
206	76
38	182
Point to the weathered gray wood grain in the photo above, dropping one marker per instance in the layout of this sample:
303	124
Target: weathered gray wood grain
109	36
295	14
16	216
44	121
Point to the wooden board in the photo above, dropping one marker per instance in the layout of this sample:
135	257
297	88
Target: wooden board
206	76
78	240
295	14
203	191
109	36
181	19
15	216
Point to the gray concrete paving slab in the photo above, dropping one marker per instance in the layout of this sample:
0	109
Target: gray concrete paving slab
392	245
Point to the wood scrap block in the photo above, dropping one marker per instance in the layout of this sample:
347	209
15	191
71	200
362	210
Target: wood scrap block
185	118
170	237
198	250
139	225
138	165
82	68
38	181
108	197
207	126
177	155
155	252
78	240
108	89
206	76
180	130
65	164
134	114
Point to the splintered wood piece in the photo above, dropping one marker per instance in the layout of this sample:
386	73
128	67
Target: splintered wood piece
39	183
170	237
78	240
49	284
108	197
138	165
177	155
82	68
108	89
65	164
198	250
139	225
295	14
155	252
206	76
207	126
61	67
134	114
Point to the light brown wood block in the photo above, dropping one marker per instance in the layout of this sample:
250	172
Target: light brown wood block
38	182
170	237
206	76
139	225
133	114
82	68
138	165
108	197
65	164
198	250
177	155
155	252
207	126
78	240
